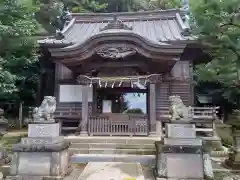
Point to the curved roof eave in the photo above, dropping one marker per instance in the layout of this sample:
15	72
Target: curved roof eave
116	37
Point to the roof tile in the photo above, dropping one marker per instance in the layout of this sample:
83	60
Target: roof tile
156	27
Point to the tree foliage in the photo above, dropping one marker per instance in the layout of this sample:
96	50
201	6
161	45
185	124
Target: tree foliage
50	9
18	49
217	25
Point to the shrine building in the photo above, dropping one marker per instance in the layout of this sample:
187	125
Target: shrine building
101	59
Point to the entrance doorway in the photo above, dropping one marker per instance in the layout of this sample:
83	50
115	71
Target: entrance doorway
120	111
122	100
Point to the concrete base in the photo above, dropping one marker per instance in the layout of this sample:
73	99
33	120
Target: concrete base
40	165
43	155
212	143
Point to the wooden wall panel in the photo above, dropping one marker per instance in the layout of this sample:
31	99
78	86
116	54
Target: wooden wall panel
62	72
181	70
183	89
68	108
162	94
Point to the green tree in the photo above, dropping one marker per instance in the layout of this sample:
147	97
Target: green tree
217	25
18	53
49	10
135	111
137	5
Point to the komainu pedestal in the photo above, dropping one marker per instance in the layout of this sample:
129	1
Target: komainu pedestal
234	156
4	158
181	155
43	154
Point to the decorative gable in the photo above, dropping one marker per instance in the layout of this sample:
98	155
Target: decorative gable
116	24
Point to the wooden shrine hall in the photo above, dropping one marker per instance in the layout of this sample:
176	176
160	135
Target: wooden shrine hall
99	58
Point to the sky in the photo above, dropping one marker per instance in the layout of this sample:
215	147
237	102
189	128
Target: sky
137	102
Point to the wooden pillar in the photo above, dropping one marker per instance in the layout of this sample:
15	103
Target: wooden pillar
155	126
20	116
84	122
192	87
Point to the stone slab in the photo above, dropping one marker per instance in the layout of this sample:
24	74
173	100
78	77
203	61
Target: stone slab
43	121
34	164
42	140
74	174
112	171
182	166
57	147
182	141
45	164
29	177
180	130
85	158
44	130
182	149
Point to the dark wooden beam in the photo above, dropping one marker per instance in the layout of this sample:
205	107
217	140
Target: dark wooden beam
76	60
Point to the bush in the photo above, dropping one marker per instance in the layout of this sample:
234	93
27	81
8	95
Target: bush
224	132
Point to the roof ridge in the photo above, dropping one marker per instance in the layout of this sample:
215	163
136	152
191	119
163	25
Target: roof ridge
131	14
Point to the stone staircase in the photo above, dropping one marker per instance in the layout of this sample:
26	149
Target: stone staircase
112	149
112	145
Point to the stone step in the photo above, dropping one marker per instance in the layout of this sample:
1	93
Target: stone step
112	151
113	139
85	158
74	174
112	146
112	171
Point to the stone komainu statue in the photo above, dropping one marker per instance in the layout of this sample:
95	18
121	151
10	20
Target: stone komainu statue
46	110
177	109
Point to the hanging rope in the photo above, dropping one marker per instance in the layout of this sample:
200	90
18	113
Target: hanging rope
134	80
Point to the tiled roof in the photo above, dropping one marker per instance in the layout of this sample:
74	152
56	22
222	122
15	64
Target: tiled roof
154	27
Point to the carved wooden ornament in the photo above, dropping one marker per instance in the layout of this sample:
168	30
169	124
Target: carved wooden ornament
116	52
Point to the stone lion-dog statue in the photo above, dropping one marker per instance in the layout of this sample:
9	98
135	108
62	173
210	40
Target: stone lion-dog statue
177	109
45	111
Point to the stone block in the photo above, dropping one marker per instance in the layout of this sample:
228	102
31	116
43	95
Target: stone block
34	163
182	149
182	142
180	130
42	164
180	166
44	130
112	171
42	140
57	147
